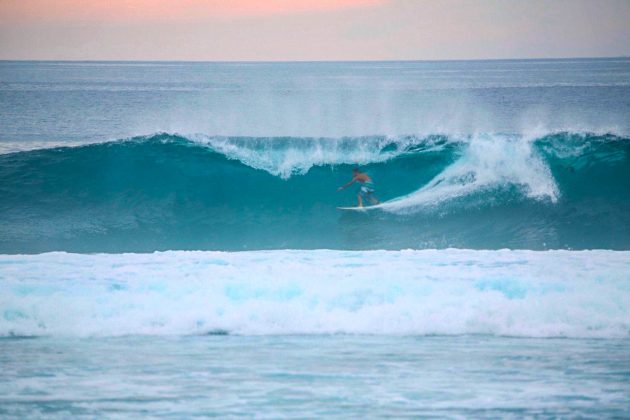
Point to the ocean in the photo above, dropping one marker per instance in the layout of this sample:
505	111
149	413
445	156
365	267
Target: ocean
171	243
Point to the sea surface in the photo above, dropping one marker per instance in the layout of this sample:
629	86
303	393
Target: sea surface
170	242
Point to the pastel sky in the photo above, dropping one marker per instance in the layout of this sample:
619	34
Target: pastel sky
312	29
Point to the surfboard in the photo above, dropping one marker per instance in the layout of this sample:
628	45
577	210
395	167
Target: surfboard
353	208
381	205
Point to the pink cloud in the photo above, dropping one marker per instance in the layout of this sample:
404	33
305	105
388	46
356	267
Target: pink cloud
164	9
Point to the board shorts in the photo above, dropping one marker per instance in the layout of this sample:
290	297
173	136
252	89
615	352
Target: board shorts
366	189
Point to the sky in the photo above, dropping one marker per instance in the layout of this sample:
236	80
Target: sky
287	30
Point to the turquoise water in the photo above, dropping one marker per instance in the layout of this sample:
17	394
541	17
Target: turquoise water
170	243
168	192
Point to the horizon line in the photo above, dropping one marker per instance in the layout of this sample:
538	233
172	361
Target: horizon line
35	60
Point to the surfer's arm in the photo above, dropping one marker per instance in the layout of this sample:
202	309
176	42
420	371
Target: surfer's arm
343	187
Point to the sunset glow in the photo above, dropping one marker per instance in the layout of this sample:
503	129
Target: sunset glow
306	30
164	9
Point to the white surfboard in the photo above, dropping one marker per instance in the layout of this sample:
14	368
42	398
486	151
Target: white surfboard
381	205
353	208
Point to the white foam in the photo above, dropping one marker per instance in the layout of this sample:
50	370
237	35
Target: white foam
296	156
488	162
519	293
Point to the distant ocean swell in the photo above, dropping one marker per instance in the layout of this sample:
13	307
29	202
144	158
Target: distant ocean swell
160	192
514	293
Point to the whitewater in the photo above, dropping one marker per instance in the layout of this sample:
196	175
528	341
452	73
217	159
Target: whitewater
170	240
449	292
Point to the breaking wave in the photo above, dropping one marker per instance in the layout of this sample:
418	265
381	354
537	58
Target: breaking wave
160	192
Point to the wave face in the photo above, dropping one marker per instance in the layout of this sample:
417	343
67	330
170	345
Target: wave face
160	192
517	293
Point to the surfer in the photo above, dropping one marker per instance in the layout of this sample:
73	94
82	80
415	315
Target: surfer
367	187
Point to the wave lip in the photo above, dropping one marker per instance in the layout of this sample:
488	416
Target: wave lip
288	156
514	293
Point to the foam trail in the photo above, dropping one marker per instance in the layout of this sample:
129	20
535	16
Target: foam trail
488	162
518	293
